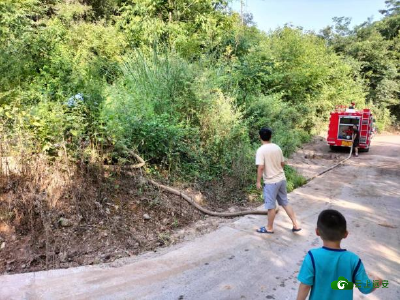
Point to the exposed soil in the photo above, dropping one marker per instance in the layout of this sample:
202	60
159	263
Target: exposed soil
111	216
97	221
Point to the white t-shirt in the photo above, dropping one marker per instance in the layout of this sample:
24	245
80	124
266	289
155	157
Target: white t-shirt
270	156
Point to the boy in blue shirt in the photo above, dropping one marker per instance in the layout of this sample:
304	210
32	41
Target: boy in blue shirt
329	272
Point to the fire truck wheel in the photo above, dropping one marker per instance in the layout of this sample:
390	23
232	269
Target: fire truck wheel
364	149
333	148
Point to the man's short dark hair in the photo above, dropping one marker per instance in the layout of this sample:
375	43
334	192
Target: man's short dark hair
331	225
265	134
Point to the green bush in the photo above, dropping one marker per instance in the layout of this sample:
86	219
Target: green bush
382	116
173	116
294	179
270	111
187	86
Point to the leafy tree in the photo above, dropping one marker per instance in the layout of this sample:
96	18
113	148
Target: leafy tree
392	8
374	46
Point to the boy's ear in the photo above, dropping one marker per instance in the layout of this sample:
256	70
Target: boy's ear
346	234
317	232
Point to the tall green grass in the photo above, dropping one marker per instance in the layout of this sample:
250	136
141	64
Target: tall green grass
293	178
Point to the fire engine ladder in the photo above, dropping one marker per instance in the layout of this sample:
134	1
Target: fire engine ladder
365	122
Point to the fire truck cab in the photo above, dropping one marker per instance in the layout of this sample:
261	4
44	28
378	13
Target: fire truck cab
341	123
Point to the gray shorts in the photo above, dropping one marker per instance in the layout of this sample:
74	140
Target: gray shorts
273	192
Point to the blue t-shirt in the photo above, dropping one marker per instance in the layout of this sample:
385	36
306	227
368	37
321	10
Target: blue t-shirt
323	266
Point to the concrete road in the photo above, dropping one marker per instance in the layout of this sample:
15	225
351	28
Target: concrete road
235	262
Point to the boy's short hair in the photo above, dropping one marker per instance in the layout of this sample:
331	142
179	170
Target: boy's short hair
265	134
331	225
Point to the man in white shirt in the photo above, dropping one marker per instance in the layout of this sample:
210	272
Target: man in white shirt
270	163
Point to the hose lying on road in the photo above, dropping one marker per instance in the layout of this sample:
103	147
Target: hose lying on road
213	213
332	167
202	209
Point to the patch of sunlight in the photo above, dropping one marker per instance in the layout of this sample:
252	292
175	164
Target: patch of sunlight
384	268
352	205
277	261
386	252
371	296
311	197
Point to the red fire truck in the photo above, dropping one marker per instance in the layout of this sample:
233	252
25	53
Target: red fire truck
341	123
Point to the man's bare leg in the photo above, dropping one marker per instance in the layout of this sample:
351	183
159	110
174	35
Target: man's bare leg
271	218
291	214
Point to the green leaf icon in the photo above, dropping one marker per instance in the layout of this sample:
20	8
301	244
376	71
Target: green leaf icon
342	284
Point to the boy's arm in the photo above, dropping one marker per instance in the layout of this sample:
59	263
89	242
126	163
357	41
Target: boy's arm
362	277
378	279
303	291
306	277
375	278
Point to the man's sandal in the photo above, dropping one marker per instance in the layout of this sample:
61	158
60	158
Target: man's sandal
264	230
296	229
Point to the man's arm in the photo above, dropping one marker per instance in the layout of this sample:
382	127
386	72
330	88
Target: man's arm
354	137
303	291
260	171
283	161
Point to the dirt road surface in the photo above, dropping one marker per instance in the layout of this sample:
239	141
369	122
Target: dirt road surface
235	262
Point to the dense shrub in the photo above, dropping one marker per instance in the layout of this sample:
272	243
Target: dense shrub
173	116
186	85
